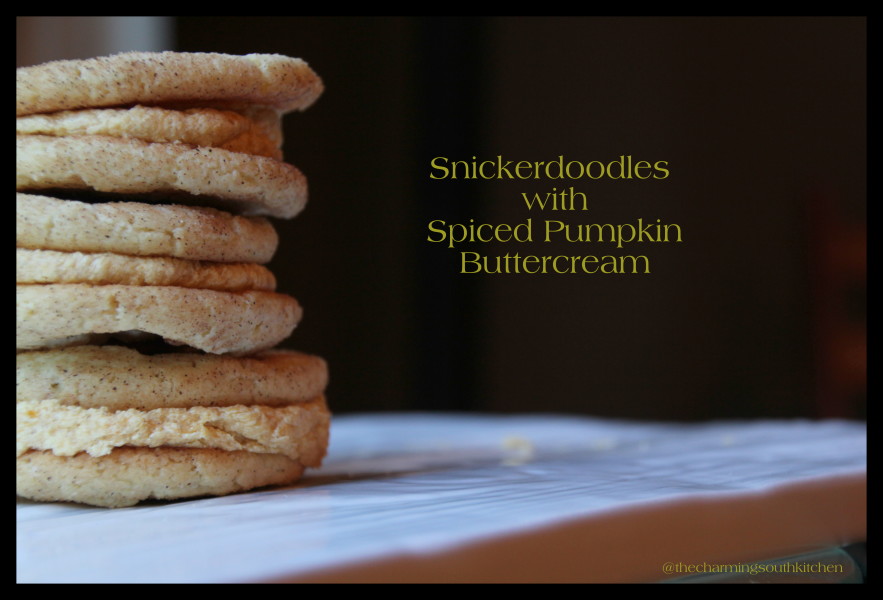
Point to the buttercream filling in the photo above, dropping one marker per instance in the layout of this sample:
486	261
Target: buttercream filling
298	431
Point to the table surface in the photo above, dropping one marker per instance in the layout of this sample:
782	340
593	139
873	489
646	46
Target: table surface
518	498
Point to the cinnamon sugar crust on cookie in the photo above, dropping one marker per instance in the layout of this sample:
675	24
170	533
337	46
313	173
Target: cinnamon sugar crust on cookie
104	268
136	228
55	315
246	184
117	377
281	82
223	129
128	476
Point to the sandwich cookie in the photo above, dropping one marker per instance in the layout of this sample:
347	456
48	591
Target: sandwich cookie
108	426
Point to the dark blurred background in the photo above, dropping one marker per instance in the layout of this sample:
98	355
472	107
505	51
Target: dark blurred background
759	312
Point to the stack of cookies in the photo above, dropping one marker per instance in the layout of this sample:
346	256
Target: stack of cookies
147	324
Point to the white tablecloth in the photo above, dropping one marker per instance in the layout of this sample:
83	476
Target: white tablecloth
439	497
